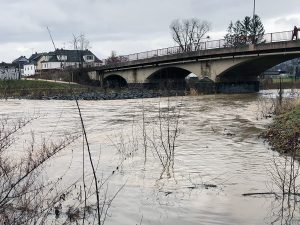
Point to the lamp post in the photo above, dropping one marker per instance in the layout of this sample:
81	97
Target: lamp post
253	8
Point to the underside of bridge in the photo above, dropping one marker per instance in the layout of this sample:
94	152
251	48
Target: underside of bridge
114	81
170	77
251	69
243	77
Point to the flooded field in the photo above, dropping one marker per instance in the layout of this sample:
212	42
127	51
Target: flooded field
214	159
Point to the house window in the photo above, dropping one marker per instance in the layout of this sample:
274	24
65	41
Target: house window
62	57
89	57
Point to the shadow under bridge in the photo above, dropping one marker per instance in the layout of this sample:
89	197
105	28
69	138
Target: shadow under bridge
168	78
244	77
114	81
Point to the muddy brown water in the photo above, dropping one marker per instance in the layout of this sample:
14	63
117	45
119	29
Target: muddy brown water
218	156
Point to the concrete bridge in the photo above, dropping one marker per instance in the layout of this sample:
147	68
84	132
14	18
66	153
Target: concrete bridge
214	61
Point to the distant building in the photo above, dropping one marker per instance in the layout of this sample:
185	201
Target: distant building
274	74
9	71
288	68
20	62
61	58
34	64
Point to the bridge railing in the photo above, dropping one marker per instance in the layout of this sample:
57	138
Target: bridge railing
278	36
213	44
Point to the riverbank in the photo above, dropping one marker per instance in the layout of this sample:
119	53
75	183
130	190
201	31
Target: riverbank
44	90
284	132
36	89
285	83
105	95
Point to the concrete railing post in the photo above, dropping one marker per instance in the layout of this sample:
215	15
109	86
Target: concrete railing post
271	37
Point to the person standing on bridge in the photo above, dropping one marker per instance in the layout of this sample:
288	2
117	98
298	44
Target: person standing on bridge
295	33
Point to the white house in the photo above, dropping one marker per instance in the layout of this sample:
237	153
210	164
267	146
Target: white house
62	58
34	64
29	70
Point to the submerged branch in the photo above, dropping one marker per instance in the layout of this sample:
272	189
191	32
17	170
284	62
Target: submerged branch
270	193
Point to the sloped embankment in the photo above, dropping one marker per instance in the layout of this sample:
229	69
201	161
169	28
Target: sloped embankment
284	132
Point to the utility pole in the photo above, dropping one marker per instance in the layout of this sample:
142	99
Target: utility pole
51	38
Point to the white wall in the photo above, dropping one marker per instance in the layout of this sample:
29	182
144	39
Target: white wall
39	63
51	65
29	70
57	65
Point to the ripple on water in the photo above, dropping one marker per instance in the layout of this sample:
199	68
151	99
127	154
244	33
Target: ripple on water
218	144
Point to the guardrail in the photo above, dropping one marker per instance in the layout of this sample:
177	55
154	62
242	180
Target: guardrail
214	44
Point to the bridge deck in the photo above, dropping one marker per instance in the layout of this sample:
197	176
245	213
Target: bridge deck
273	43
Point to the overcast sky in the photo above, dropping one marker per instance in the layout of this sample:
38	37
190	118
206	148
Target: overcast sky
126	26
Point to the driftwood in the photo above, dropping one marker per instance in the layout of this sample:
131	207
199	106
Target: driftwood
270	193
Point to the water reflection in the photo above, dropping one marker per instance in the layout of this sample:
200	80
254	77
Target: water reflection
285	211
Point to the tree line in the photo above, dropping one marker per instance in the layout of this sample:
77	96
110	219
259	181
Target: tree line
190	33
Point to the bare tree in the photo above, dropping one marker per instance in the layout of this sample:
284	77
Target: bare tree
24	197
189	33
80	42
114	58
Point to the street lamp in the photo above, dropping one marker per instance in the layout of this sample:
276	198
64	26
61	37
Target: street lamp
253	21
253	8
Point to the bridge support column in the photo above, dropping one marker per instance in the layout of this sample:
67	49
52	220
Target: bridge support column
205	69
134	75
101	79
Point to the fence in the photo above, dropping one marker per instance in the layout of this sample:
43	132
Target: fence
213	44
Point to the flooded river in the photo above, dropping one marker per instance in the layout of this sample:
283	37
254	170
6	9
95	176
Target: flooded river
218	156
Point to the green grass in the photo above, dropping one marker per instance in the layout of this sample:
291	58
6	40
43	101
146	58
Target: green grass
34	84
37	88
286	80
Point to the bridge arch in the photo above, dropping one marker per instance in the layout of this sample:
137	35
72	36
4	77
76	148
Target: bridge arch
169	77
249	70
114	81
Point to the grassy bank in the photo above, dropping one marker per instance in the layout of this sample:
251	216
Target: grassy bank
286	83
36	88
284	132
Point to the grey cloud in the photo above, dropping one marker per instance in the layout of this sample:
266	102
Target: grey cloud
288	21
116	21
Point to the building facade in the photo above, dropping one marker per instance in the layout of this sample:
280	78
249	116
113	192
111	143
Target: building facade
60	59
